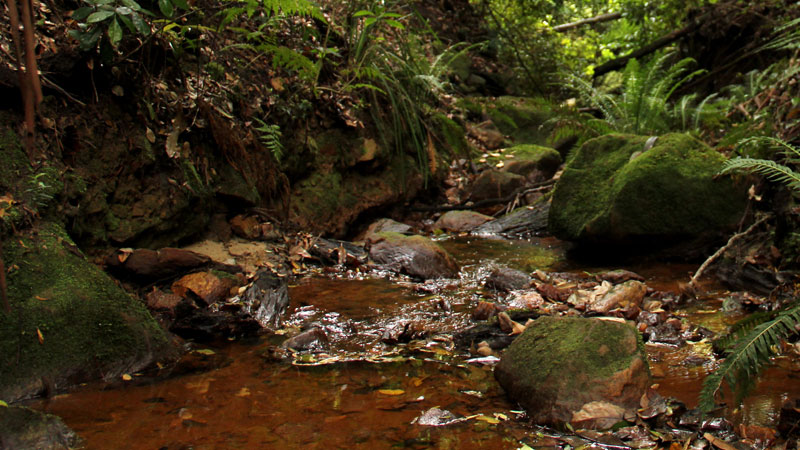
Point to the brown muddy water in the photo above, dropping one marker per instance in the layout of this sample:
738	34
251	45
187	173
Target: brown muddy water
362	393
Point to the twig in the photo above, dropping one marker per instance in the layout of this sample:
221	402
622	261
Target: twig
47	82
723	249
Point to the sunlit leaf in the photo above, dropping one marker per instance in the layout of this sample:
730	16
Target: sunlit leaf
99	16
39	334
391	391
126	377
3	404
205	351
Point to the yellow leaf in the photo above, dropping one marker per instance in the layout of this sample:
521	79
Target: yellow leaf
205	351
487	419
41	338
244	392
3	404
126	377
391	391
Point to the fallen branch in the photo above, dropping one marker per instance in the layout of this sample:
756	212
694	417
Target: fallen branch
723	249
596	19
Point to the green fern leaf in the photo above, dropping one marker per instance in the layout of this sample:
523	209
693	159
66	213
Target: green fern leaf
748	356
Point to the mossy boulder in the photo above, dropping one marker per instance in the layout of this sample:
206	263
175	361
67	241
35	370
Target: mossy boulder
452	135
416	256
522	118
330	200
24	428
560	368
532	161
69	321
616	189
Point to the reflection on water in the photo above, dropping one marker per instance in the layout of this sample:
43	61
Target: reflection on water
248	400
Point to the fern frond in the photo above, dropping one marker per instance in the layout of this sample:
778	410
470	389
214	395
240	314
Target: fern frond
749	355
770	169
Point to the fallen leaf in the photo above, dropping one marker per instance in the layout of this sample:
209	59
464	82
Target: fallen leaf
151	137
205	351
487	419
118	90
126	377
717	442
41	338
40	298
243	392
391	391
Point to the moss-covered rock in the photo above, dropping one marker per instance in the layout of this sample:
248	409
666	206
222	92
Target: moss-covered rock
453	135
531	160
521	118
329	200
416	256
24	428
559	365
69	321
615	189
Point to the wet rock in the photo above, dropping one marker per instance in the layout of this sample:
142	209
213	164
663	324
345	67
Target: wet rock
619	276
247	227
311	339
534	162
334	251
525	299
204	325
381	225
203	287
416	256
155	264
267	298
404	332
612	191
24	428
627	294
560	365
461	221
78	322
494	184
505	279
491	332
160	300
484	310
525	221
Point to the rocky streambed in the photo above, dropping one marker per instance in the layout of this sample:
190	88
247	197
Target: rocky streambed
366	357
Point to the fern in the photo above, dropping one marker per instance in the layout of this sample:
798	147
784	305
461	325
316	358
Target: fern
770	169
270	136
748	356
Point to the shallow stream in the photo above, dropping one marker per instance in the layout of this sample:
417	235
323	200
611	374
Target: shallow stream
362	393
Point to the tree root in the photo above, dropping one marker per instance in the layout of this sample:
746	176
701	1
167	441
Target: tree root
693	282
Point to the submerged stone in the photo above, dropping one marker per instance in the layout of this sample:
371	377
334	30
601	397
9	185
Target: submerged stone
559	368
616	190
24	428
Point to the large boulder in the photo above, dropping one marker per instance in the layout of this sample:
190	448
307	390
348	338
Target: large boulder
416	256
587	372
69	321
534	162
621	188
494	184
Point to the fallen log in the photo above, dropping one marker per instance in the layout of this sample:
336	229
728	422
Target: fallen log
596	19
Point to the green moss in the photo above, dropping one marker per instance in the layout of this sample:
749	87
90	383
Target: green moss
193	179
612	189
452	133
89	326
14	163
553	350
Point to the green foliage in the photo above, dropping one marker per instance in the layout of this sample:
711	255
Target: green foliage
750	344
644	106
270	136
748	355
770	169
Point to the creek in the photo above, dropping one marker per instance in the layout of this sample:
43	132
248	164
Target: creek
363	393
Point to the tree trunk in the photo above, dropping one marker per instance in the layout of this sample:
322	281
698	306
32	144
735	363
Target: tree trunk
596	19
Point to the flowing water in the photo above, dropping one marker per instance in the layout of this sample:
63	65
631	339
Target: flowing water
362	393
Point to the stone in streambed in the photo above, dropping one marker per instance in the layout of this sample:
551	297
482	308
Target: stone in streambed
533	162
564	369
22	428
461	221
416	256
505	279
494	184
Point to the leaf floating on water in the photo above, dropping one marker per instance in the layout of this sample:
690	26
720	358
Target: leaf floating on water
39	334
391	391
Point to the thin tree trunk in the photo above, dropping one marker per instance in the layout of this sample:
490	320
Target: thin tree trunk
596	19
663	41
